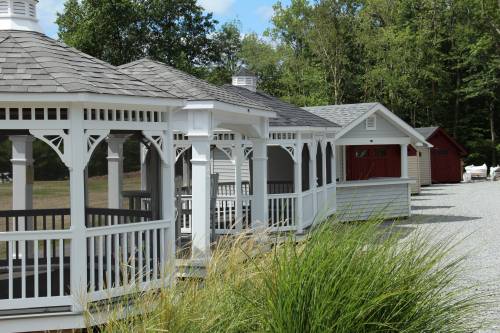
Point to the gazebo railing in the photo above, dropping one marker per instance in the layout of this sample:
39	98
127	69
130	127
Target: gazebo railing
282	211
100	217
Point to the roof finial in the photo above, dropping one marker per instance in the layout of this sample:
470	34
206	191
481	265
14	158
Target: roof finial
19	15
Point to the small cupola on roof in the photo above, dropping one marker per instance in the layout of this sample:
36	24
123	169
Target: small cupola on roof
19	15
245	79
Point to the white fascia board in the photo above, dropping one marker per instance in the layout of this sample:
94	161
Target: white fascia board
303	129
410	131
89	98
226	107
372	141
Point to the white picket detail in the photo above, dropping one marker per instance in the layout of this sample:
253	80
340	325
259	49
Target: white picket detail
36	272
282	211
128	258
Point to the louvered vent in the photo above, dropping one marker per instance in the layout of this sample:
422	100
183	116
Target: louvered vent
32	10
371	123
19	8
4	7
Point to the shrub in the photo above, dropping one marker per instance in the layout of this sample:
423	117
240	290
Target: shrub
340	278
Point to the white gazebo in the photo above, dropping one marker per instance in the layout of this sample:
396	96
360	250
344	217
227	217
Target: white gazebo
57	262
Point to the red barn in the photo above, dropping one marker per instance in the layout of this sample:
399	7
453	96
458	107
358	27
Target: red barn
446	155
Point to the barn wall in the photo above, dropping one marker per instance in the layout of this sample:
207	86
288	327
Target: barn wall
384	130
363	202
425	166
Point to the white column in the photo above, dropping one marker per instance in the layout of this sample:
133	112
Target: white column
237	153
115	170
201	196
323	174
313	176
404	161
168	198
22	173
334	176
297	182
259	201
77	146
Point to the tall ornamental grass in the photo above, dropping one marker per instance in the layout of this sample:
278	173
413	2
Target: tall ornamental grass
340	278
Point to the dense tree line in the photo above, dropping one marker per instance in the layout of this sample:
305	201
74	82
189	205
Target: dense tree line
432	62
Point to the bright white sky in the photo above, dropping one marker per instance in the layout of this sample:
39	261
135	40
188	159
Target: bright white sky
254	15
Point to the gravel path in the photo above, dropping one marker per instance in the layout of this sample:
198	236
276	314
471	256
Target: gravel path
472	213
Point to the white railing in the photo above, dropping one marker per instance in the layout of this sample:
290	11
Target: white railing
186	213
282	211
34	273
225	215
126	258
308	209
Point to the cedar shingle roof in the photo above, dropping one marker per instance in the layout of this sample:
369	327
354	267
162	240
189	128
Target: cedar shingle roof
288	114
183	84
342	114
31	62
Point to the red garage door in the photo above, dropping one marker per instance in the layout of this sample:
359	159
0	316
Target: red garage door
365	162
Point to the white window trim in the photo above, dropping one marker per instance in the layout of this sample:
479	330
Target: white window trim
371	128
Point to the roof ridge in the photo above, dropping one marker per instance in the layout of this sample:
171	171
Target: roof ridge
39	64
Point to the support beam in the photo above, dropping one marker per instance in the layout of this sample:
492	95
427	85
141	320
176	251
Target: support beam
238	157
144	169
22	173
115	170
297	183
201	197
313	177
78	250
404	161
260	202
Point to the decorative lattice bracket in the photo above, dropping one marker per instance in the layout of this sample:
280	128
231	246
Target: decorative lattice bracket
156	139
58	140
179	150
92	139
291	151
247	151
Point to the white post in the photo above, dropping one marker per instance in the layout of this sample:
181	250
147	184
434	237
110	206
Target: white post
237	153
323	174
201	197
334	175
297	175
168	197
313	178
404	161
259	202
115	170
22	184
78	266
22	173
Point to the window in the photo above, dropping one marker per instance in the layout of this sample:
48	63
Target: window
371	123
361	153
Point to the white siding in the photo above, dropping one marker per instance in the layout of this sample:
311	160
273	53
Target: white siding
224	167
361	203
414	173
384	130
425	166
340	162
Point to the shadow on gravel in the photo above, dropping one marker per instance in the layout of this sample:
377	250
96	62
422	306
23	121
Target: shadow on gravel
430	218
417	208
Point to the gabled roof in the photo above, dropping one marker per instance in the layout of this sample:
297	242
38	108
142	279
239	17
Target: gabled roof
342	114
426	131
430	132
31	62
183	84
288	115
351	115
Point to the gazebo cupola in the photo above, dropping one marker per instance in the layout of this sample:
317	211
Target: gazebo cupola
19	15
245	79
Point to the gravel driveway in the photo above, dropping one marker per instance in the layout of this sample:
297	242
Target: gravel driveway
471	212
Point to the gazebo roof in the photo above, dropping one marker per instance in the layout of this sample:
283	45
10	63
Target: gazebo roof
183	84
31	62
342	114
288	115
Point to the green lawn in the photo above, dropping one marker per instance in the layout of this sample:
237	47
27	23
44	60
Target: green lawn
55	194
